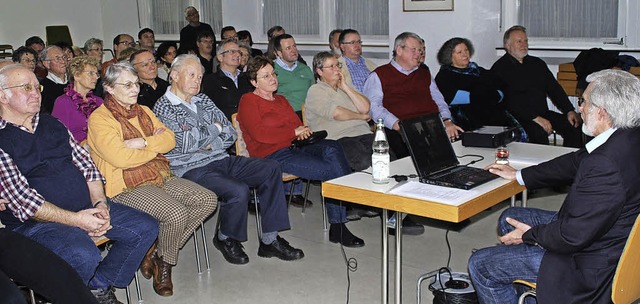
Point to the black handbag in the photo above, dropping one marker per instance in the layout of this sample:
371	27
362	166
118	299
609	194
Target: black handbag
313	138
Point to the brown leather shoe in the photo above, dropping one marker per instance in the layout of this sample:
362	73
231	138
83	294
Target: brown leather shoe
146	267
162	277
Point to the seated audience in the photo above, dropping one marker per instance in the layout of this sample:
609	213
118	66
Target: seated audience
470	91
203	134
147	39
228	84
355	68
152	87
245	37
35	43
245	56
94	47
294	77
206	51
56	81
56	195
26	57
334	41
120	43
527	82
228	32
572	254
165	54
78	102
269	124
273	32
67	49
189	33
127	142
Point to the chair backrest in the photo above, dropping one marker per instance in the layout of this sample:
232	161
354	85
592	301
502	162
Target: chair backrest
58	33
304	116
626	288
6	50
241	146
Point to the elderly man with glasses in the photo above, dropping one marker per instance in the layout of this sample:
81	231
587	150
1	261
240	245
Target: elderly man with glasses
56	195
189	33
227	85
55	62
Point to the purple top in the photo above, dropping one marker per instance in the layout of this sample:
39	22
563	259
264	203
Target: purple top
73	111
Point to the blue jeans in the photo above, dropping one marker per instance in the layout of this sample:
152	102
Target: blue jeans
323	160
133	233
493	269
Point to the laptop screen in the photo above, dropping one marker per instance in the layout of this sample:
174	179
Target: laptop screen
428	143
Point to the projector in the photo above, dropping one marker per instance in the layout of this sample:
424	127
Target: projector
490	137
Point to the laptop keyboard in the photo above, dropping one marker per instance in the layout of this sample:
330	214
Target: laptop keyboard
464	174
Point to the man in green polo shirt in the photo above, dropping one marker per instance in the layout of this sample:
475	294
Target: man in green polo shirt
294	77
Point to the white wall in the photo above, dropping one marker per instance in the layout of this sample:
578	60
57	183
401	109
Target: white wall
26	18
477	20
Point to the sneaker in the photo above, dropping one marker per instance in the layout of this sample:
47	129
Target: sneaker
106	295
281	249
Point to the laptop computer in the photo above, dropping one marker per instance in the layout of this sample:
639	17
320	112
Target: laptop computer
433	155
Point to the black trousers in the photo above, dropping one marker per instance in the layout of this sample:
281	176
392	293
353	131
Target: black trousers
571	137
34	266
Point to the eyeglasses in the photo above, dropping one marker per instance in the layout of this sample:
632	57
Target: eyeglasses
333	66
267	76
129	85
414	50
232	52
58	59
97	50
27	60
358	42
580	101
146	63
207	41
92	73
27	87
131	44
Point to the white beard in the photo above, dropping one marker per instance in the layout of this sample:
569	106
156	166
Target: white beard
589	128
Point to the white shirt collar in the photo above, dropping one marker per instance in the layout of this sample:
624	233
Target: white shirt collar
599	140
285	66
57	79
175	100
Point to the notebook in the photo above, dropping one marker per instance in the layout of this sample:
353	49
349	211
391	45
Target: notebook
433	155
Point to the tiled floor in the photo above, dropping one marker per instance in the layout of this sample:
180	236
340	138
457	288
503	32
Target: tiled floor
321	277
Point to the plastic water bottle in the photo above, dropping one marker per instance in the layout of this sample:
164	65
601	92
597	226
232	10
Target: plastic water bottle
380	157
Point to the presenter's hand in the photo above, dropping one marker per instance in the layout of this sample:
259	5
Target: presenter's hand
504	171
544	123
574	119
453	131
514	237
396	125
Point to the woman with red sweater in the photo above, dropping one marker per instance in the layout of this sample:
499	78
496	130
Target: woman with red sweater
269	124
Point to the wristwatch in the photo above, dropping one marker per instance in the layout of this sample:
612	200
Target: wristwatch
105	202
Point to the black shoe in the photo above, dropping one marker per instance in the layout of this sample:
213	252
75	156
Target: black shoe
281	249
353	215
298	201
232	250
106	296
409	227
338	233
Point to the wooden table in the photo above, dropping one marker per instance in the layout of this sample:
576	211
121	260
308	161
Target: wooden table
358	188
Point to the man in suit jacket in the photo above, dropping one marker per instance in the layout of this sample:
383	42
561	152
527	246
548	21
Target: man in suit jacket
572	254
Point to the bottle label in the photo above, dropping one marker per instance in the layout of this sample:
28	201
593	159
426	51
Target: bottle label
380	168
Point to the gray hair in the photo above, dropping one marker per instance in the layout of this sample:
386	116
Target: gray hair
44	55
186	10
507	33
401	40
225	42
114	71
180	61
446	51
318	61
6	70
618	93
92	41
333	33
